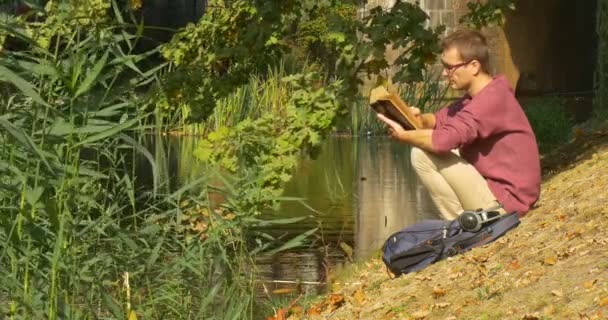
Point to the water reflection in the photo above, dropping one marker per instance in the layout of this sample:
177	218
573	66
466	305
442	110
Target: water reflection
387	192
357	192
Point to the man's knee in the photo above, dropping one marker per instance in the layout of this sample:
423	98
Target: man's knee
420	159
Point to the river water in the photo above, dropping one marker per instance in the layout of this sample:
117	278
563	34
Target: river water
357	191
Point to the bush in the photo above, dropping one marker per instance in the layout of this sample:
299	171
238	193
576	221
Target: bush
551	123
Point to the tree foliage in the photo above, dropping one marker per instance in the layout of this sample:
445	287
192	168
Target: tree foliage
238	38
487	13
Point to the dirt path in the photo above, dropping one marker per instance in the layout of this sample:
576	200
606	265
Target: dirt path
553	266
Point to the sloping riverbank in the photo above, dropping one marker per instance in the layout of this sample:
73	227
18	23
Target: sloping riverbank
553	266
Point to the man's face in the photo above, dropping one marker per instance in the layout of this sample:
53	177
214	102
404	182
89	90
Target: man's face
455	69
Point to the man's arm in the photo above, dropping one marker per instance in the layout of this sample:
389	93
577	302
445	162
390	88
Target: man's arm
421	138
427	119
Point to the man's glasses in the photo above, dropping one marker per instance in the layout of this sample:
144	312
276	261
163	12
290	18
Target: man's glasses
452	67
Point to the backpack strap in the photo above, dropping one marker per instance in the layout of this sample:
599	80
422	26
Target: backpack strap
467	240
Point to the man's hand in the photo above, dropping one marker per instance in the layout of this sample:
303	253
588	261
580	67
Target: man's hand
394	129
421	138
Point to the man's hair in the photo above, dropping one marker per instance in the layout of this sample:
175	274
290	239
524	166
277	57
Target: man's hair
470	44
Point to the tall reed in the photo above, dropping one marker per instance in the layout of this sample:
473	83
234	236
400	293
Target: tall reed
79	239
427	95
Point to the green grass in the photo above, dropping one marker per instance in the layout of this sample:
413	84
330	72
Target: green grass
75	220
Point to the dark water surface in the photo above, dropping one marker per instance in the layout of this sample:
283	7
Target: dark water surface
356	192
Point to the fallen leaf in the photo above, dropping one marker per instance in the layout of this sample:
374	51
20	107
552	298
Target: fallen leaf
420	314
442	305
423	278
230	216
514	265
280	315
438	292
531	316
359	296
550	260
314	310
589	284
334	301
200	226
603	302
558	293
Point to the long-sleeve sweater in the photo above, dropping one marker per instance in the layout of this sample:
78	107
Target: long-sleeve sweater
493	134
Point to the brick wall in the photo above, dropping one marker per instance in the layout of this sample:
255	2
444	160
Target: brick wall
448	13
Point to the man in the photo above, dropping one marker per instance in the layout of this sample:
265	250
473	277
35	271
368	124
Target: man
480	151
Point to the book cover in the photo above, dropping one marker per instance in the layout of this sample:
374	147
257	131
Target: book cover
392	107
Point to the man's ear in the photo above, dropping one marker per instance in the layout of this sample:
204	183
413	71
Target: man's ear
476	67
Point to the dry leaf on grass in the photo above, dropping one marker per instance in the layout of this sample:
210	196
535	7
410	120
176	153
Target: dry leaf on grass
280	315
558	293
334	301
514	265
603	302
315	310
438	292
420	314
423	278
589	284
531	316
359	296
550	261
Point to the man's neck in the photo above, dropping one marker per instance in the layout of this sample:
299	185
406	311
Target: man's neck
478	83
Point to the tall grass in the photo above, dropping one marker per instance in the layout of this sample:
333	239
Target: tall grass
260	95
426	95
78	238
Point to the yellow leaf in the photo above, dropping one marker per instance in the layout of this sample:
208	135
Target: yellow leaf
550	260
230	216
200	226
558	293
438	292
589	284
132	315
359	296
604	302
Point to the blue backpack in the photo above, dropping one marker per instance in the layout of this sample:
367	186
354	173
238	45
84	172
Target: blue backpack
429	241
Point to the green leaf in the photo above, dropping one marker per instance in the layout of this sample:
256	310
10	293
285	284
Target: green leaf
21	84
266	223
33	196
107	133
295	242
26	141
92	75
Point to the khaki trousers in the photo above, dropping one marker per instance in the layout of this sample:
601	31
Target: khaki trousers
453	184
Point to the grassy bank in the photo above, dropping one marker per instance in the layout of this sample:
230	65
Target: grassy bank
553	266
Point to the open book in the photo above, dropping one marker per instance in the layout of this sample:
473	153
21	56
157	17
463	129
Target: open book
392	107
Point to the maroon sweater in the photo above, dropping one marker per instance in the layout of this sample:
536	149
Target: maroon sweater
494	135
